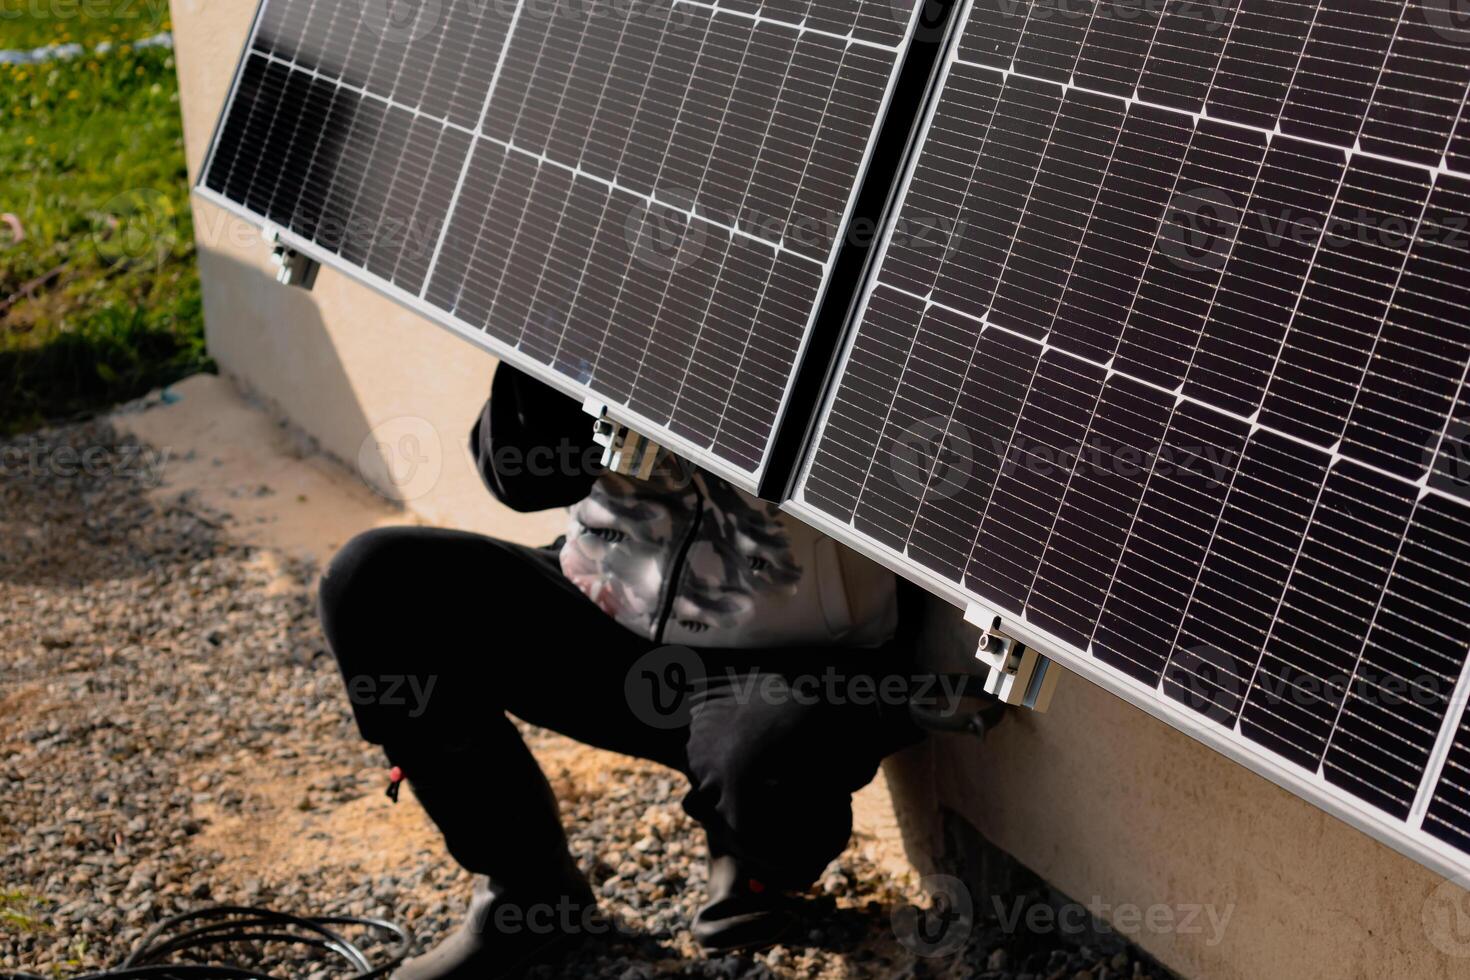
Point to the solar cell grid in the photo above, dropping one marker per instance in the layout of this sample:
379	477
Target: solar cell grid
1182	389
1164	357
645	196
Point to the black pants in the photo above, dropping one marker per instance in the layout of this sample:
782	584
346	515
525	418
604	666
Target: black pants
463	629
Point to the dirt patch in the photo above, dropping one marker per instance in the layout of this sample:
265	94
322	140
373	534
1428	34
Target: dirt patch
173	735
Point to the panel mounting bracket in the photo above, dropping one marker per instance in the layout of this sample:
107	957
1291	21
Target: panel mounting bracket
292	268
1018	675
623	451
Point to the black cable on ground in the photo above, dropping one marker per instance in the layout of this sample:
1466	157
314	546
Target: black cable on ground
179	947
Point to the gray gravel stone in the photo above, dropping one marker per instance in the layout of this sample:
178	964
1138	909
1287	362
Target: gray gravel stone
151	668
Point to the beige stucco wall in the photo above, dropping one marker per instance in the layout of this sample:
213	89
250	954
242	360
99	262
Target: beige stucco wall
1108	804
1113	806
373	383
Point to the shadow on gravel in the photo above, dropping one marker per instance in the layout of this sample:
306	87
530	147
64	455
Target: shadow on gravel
173	735
74	508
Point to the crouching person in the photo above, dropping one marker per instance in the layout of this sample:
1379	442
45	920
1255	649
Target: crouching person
679	621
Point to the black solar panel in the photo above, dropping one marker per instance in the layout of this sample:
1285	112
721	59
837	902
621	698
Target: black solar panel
642	196
1164	361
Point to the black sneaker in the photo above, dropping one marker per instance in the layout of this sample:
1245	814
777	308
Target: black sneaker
743	912
505	933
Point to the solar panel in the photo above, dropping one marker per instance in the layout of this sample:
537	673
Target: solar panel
639	200
1163	361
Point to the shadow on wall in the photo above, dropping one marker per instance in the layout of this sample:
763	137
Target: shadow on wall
376	386
1106	803
77	494
280	333
917	777
1209	867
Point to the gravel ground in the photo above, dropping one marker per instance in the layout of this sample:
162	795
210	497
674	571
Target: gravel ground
172	736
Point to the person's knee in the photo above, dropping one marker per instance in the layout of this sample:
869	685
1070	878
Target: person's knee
361	564
746	748
767	788
787	750
362	576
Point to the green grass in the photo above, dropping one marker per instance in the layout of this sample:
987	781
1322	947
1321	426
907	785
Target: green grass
18	912
99	297
33	23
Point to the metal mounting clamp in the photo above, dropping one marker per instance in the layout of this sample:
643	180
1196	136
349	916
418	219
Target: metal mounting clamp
292	268
623	450
1018	675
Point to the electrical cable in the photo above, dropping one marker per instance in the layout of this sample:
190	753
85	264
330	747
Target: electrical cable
191	934
932	714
